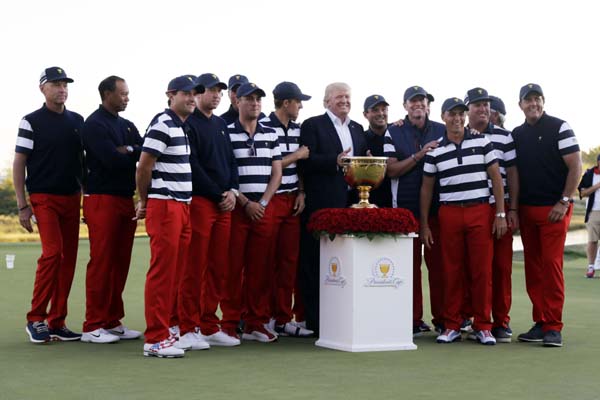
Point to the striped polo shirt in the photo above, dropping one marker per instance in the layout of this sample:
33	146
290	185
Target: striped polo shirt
504	147
540	150
254	157
462	168
167	140
289	142
52	143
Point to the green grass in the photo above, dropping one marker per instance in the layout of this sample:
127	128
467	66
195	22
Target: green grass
292	368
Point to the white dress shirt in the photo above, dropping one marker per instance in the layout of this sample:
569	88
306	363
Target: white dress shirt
343	132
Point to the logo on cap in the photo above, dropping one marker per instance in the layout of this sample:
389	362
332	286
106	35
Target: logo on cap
237	77
479	91
415	88
530	86
190	79
214	76
376	97
456	100
253	85
59	70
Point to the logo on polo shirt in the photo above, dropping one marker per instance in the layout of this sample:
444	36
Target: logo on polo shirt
383	274
334	273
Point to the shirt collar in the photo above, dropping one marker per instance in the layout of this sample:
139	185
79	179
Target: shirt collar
336	121
445	141
240	128
106	112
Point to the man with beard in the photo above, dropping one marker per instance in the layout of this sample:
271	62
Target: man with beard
375	110
164	183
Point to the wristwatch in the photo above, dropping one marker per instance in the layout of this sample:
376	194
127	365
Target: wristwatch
501	215
565	200
129	149
235	192
263	203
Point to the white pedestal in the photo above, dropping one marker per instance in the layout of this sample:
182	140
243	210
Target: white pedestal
366	294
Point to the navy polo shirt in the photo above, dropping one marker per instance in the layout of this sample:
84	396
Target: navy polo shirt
381	196
214	169
110	172
230	116
540	149
52	143
401	143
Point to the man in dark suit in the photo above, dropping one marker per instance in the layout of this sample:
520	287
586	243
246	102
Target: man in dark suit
330	137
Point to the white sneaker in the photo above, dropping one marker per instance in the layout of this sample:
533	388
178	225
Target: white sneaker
293	329
270	327
99	336
484	336
174	331
124	333
220	338
163	349
449	336
192	341
301	324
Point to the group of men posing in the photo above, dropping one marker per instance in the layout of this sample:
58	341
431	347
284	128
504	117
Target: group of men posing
226	200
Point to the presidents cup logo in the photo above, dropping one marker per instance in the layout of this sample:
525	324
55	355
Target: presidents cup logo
383	274
334	273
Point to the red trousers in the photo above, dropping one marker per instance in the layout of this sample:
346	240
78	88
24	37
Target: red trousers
501	276
111	230
169	228
202	279
467	248
58	223
543	248
286	250
248	287
433	260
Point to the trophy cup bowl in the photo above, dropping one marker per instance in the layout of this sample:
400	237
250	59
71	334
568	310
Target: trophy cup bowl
364	173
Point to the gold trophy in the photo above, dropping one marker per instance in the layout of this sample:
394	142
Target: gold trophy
385	269
364	173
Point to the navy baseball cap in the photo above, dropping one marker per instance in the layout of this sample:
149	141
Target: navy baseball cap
414	91
210	81
476	94
497	104
452	103
373	100
530	88
247	89
236	80
185	83
54	74
289	90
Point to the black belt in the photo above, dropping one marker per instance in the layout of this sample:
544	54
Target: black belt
467	203
290	193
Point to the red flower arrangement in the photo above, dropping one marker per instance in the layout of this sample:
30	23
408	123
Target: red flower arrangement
362	222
